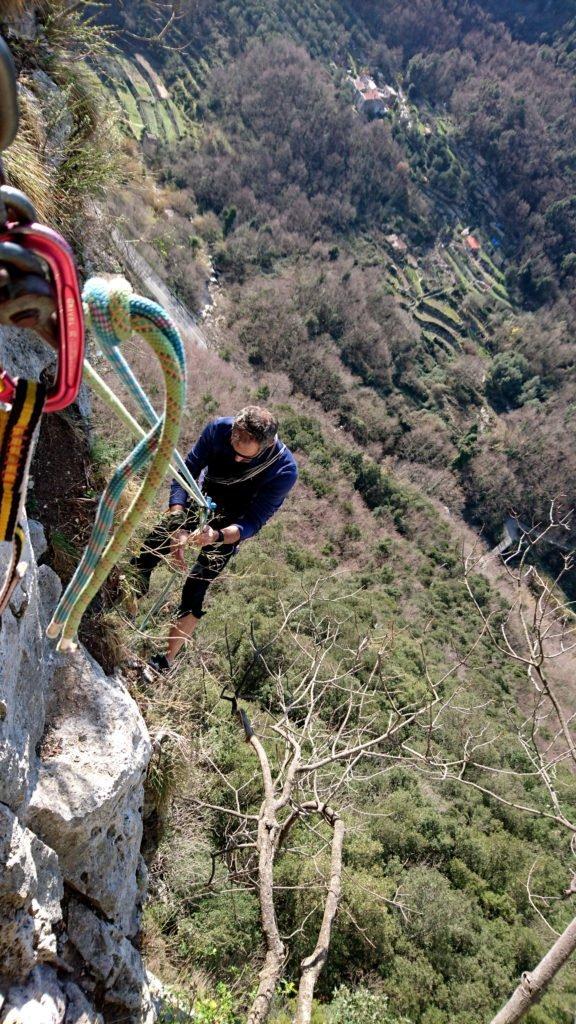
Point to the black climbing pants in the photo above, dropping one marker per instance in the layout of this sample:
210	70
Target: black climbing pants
209	564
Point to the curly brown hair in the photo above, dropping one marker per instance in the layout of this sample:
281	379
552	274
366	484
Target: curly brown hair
258	422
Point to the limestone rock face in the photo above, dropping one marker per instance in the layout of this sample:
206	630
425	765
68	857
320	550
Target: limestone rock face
88	799
73	752
40	1001
115	963
78	1009
30	893
25	667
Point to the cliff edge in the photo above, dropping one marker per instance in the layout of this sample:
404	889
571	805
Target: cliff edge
74	750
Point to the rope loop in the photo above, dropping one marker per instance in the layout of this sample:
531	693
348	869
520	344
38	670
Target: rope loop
116	313
107	308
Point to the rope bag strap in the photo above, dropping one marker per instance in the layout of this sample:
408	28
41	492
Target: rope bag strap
17	427
222	482
115	314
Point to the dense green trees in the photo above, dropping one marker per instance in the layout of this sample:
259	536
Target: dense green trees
293	194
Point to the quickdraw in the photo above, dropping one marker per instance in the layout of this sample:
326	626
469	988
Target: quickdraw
38	290
115	314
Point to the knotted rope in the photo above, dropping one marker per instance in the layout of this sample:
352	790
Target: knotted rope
182	473
115	314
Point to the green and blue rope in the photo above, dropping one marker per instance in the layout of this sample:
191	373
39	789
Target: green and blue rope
115	314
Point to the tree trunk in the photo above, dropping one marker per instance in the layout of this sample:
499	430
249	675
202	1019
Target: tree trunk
267	981
275	950
313	964
534	983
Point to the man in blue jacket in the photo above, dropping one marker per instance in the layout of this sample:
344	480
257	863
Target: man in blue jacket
240	462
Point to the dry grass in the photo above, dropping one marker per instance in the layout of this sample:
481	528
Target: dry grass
13	7
23	160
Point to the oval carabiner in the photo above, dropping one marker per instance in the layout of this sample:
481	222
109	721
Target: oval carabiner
54	249
8	97
69	332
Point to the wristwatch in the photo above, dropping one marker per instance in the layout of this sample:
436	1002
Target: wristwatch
219	537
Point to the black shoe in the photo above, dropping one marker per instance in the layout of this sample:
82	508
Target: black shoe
157	666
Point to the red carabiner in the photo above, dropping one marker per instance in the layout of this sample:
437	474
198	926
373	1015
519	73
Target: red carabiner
56	252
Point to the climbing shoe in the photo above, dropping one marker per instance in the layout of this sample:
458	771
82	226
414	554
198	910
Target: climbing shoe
157	666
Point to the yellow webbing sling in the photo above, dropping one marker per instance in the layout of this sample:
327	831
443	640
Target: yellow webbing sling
17	426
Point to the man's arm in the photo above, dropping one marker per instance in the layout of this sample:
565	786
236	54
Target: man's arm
179	500
263	506
196	460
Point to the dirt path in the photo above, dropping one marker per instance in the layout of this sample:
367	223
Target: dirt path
561	670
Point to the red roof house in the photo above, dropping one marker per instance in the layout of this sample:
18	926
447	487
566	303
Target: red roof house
473	243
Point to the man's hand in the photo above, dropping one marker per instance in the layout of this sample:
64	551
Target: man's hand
178	542
202	538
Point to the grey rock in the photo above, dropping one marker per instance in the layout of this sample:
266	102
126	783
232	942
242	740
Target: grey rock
78	1009
94	939
38	541
88	799
25	668
39	1001
30	893
73	752
113	961
23	354
23	25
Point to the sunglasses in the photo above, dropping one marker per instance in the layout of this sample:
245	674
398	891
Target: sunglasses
239	455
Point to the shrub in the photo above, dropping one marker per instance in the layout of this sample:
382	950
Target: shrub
362	1007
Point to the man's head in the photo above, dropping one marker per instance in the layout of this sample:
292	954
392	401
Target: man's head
253	430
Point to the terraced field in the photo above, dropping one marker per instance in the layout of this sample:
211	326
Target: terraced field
432	292
143	101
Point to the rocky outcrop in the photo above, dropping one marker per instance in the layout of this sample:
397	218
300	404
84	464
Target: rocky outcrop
87	803
73	754
31	891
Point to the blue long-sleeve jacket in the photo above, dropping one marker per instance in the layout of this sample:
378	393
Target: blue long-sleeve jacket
247	501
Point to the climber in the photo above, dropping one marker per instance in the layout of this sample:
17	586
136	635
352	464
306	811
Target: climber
248	472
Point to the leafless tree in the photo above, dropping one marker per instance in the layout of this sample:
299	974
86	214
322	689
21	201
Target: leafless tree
538	632
327	737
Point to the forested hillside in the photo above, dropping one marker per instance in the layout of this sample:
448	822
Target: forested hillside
400	290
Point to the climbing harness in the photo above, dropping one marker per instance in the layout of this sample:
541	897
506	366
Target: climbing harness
115	314
46	301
